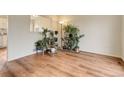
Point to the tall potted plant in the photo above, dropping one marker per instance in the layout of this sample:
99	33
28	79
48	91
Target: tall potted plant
52	42
42	44
72	37
47	42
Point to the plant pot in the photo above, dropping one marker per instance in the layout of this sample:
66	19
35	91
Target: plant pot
53	50
77	50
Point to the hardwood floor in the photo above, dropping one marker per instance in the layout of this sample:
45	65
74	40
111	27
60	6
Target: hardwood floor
3	56
64	64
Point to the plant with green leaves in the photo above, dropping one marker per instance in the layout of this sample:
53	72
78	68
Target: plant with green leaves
51	39
72	37
43	43
47	41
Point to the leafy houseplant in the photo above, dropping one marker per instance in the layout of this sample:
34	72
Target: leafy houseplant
72	37
39	45
43	43
47	41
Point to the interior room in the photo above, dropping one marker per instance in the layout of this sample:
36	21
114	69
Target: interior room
65	46
3	40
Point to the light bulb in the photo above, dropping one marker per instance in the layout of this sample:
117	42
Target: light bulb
61	22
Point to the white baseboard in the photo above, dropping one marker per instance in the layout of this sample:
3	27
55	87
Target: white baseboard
107	54
21	56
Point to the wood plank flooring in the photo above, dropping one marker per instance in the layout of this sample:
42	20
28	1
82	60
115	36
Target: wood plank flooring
64	64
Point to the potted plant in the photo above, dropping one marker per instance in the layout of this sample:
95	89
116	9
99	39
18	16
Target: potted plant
77	49
52	42
47	43
72	37
39	46
42	45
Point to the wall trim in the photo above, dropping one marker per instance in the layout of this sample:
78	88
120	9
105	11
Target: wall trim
122	62
29	54
102	54
105	54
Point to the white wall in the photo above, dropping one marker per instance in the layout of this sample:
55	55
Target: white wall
46	21
20	39
123	38
102	33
